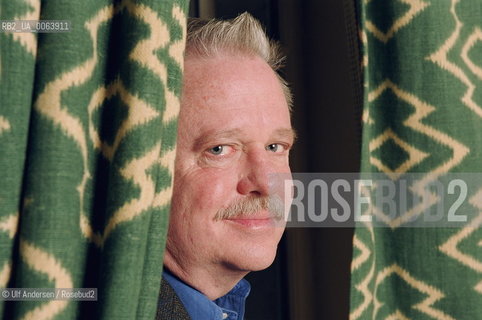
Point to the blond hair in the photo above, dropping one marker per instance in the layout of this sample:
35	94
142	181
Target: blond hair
243	34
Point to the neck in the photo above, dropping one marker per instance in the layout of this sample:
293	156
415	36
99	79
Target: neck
213	282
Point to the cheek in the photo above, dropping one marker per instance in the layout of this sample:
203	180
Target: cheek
207	190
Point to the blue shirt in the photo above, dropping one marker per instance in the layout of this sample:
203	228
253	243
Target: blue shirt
199	307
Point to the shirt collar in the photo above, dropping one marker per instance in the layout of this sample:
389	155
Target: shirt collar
198	306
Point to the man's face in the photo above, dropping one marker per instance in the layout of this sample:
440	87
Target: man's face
234	131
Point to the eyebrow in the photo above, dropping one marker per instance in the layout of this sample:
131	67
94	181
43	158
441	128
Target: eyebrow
286	133
204	139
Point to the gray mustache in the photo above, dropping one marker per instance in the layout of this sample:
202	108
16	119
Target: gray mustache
250	206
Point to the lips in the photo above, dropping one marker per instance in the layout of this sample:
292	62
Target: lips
258	220
253	222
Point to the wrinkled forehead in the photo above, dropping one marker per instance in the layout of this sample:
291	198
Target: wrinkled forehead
229	76
232	92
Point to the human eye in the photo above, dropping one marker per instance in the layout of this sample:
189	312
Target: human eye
276	147
220	150
217	150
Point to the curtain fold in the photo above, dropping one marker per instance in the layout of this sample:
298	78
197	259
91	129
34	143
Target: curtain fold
88	122
422	113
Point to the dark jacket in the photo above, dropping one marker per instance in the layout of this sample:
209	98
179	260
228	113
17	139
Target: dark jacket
170	306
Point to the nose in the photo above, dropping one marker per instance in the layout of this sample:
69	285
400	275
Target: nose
254	176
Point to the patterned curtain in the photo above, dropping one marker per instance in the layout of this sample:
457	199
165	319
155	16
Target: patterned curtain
422	113
88	124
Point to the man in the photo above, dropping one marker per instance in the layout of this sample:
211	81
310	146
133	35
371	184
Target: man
234	131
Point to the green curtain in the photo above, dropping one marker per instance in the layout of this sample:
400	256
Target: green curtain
422	113
88	122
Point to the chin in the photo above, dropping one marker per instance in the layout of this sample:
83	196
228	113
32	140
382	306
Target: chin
262	265
255	259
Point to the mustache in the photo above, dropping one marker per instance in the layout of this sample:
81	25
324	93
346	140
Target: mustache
250	206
